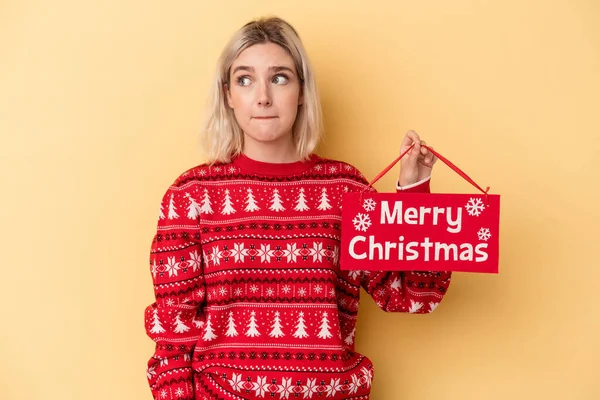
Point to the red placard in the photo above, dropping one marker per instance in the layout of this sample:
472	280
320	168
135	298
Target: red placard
420	231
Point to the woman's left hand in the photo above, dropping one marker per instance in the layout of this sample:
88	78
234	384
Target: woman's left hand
417	164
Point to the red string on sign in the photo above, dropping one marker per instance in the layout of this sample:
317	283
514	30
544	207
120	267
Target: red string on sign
438	155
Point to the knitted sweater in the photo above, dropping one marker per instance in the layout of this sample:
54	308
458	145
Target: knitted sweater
250	299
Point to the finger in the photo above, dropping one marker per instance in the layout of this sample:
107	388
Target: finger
410	138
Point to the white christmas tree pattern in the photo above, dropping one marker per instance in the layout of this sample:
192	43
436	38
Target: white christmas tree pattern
369	205
432	306
474	207
180	327
276	202
227	204
206	208
251	205
172	209
209	332
324	203
276	331
361	222
194	209
484	234
156	325
324	333
252	331
350	338
231	331
300	327
161	214
415	306
301	201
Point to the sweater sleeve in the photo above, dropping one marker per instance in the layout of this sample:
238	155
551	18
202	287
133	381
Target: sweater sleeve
407	291
174	320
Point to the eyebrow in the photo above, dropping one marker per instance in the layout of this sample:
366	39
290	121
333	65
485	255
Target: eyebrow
251	69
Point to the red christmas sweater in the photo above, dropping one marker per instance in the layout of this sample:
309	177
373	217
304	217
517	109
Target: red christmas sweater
250	299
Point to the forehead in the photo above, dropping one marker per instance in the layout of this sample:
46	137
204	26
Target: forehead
264	55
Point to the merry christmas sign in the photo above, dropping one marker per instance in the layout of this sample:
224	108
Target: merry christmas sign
420	231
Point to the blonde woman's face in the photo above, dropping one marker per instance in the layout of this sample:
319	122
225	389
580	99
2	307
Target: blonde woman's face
264	93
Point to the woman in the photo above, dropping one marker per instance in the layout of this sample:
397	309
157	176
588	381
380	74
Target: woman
250	299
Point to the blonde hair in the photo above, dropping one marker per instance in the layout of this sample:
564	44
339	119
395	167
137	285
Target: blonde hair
221	136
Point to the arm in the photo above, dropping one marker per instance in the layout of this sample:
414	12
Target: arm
172	321
407	291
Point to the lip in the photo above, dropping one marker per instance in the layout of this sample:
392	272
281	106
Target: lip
264	117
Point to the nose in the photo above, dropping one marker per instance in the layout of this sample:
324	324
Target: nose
264	95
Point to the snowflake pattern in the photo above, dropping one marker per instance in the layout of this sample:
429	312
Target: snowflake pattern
369	205
362	222
312	387
484	234
474	206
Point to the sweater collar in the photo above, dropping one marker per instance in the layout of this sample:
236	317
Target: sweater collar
250	165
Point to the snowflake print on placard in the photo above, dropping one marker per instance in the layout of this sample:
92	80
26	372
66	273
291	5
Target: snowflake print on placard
369	205
484	234
474	207
361	222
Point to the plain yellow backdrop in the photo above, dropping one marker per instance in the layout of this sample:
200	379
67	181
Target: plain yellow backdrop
100	107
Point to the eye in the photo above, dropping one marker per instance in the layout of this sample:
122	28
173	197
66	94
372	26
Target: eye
243	80
280	79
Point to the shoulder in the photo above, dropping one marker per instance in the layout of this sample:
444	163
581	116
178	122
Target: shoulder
338	169
202	172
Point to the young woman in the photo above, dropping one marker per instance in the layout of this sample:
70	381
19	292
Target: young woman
250	299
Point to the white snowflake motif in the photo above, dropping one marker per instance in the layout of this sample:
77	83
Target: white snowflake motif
361	222
484	234
218	169
474	207
222	291
179	392
301	292
195	260
270	292
286	289
332	292
202	172
170	302
254	288
354	273
172	266
332	169
236	382
237	292
200	293
261	386
163	393
286	388
369	205
318	167
231	170
318	289
334	387
150	371
348	167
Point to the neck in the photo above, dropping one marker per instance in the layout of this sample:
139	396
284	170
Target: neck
282	151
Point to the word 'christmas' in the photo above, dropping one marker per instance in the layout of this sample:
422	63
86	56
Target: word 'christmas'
412	250
417	216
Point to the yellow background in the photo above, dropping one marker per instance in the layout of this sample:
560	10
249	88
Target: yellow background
100	105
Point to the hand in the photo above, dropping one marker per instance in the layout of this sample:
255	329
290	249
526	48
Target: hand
417	164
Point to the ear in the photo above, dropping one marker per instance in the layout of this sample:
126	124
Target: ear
228	95
301	97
